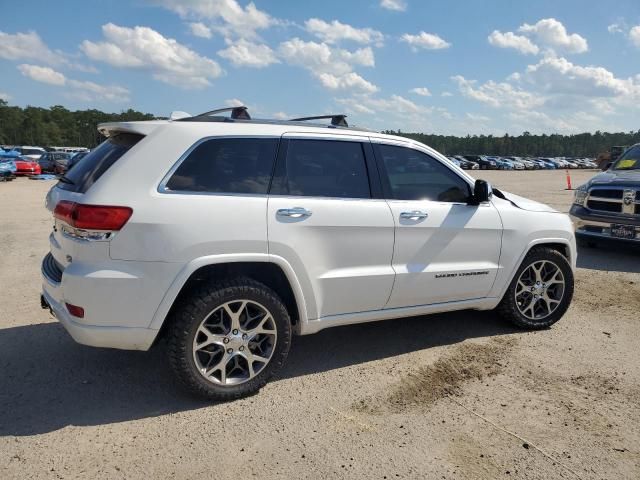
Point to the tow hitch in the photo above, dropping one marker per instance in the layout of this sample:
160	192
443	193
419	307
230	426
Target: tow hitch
44	304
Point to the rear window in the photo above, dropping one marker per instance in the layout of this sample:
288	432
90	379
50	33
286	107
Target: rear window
89	169
227	165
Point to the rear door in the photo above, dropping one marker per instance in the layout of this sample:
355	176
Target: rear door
445	249
326	218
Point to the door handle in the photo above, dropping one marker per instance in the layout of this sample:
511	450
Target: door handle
295	212
414	215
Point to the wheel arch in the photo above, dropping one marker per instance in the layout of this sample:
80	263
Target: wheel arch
562	245
271	270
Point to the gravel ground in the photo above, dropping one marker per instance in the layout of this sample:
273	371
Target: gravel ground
460	395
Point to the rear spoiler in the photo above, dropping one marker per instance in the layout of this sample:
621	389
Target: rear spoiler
140	128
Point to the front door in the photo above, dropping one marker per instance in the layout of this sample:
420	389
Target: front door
445	248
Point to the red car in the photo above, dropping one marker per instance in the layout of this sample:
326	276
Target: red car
27	167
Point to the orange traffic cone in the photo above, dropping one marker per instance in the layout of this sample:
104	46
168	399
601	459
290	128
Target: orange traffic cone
568	181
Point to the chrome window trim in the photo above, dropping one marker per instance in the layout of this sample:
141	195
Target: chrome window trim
162	187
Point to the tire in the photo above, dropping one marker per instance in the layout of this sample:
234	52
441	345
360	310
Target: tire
518	299
205	315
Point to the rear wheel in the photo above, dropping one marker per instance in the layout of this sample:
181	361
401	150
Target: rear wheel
541	290
228	339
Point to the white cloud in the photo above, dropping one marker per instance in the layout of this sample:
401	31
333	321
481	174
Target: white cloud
336	31
234	102
615	28
80	89
281	116
511	40
474	117
446	94
90	91
42	74
422	91
27	46
396	5
424	40
634	35
497	94
227	16
5	96
395	104
560	76
199	29
145	49
245	53
553	34
333	67
349	80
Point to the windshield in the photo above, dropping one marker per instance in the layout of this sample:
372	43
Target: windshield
630	160
31	151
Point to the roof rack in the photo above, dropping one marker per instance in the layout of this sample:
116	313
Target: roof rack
239	112
336	120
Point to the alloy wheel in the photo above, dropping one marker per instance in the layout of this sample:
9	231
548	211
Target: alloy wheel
539	290
234	342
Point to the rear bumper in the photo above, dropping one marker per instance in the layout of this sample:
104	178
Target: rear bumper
118	303
591	225
124	338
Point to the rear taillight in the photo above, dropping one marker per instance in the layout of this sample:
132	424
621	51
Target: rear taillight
92	217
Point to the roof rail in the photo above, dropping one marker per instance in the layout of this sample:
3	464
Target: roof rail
239	112
336	120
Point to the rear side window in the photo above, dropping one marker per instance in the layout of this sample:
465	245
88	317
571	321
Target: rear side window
227	165
414	175
324	168
95	163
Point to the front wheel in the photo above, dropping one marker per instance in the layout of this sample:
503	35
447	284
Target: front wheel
541	290
228	339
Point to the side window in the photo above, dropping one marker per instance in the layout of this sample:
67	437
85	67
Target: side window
324	168
413	175
227	165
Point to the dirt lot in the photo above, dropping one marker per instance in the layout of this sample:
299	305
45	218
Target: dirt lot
460	395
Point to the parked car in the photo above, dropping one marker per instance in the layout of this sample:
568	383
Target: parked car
466	164
7	169
483	162
32	153
608	205
26	166
454	160
224	236
502	163
49	160
62	162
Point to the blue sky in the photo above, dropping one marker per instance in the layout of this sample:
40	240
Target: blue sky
450	67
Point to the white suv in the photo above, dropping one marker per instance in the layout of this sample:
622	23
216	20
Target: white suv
224	236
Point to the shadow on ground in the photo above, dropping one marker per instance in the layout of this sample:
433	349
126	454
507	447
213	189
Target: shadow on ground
610	256
48	382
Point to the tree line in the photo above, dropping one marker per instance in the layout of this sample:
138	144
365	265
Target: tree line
62	127
554	145
56	125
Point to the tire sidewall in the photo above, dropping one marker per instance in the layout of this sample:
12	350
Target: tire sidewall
537	255
214	298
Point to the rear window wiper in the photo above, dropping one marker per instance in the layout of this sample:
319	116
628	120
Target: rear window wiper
64	179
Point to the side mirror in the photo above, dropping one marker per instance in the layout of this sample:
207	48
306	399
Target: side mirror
481	192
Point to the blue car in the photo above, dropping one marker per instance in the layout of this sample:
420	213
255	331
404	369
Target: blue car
502	163
7	169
